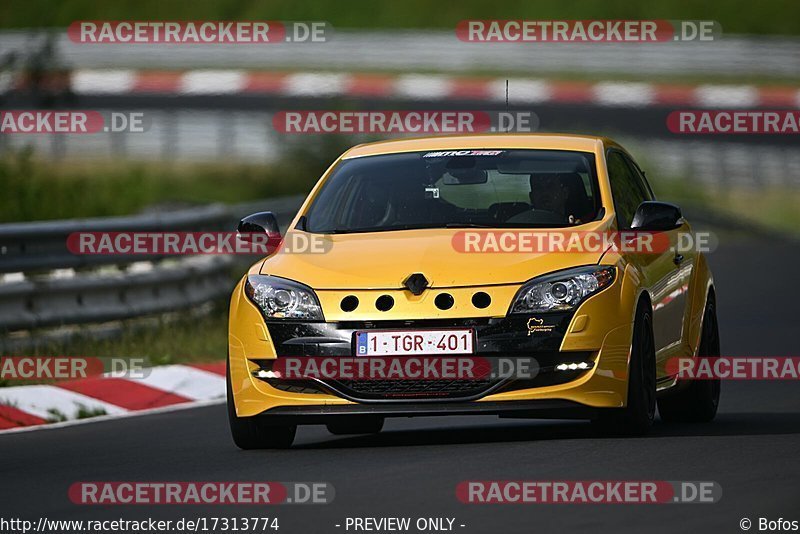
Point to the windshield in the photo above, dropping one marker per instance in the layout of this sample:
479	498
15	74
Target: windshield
457	188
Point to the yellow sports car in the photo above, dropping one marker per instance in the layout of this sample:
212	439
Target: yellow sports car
542	261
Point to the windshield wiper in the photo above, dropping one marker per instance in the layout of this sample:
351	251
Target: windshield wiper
467	225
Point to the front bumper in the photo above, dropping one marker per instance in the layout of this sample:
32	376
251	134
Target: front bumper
538	409
598	331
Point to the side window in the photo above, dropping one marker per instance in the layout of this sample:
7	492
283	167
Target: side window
641	181
625	187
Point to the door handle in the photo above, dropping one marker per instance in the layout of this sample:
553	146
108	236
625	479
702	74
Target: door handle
678	259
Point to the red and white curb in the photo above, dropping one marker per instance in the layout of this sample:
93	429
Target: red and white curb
429	87
112	394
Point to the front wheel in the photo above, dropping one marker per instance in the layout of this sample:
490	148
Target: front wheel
637	417
249	433
697	401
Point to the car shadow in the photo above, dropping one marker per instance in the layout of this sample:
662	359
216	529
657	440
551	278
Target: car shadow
729	424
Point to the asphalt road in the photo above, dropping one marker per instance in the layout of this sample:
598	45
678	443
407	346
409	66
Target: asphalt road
412	468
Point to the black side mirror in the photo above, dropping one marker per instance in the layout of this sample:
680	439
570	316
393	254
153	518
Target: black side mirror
259	224
656	216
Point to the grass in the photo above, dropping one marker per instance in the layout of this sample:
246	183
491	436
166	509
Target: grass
35	189
777	17
39	190
770	207
200	338
169	339
773	208
56	416
84	412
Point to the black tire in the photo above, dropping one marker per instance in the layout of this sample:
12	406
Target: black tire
355	425
696	401
636	418
249	433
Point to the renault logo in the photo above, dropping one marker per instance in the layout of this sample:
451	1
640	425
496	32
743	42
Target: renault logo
416	283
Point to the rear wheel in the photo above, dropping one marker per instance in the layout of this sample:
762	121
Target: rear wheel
355	425
249	433
637	417
697	401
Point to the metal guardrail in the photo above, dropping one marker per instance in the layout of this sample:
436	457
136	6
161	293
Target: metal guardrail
31	304
51	287
43	245
36	246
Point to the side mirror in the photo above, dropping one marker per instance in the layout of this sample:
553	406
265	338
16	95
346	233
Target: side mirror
258	225
656	216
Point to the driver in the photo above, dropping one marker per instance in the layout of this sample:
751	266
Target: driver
550	193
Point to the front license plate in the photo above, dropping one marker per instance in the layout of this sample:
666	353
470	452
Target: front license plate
414	342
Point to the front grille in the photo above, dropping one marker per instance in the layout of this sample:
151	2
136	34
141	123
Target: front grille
366	390
414	389
296	386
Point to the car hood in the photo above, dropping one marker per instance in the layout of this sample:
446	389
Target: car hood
383	260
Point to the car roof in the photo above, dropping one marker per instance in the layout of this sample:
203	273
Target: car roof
581	143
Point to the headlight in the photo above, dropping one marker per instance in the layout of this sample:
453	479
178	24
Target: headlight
280	298
563	290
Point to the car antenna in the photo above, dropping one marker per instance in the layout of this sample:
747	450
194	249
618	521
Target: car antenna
506	97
